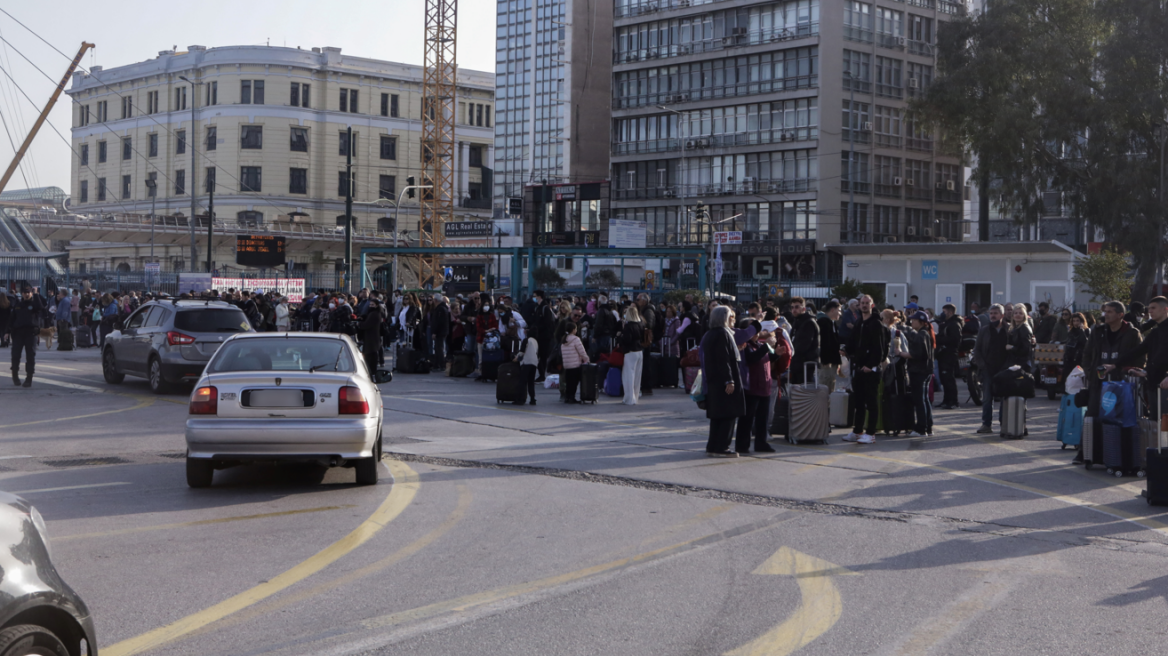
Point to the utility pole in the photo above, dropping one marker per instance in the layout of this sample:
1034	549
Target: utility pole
191	141
349	211
1161	135
210	225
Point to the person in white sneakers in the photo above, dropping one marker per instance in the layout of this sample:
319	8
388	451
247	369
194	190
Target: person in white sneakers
867	349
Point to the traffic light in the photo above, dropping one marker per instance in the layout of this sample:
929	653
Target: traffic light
410	187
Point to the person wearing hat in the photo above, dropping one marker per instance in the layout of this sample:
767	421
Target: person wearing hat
23	327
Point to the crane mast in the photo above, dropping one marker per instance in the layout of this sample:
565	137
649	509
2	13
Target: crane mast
439	101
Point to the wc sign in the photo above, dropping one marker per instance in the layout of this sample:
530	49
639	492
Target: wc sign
929	269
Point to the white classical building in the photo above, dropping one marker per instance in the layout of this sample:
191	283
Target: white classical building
269	130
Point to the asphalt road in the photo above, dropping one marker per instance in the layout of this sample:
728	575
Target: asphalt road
581	530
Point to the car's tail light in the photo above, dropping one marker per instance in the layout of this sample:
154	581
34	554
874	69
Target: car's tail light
178	339
205	401
353	401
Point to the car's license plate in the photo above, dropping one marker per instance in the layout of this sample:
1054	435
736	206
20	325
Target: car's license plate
1049	380
276	398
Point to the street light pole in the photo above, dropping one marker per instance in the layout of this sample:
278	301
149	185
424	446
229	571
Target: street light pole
1161	135
152	185
191	141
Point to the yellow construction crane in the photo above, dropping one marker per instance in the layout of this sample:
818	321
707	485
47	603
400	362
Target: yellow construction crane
439	92
44	115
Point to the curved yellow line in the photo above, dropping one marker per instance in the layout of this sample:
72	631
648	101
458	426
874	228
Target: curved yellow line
405	487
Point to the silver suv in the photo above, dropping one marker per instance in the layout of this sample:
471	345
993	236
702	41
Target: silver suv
168	342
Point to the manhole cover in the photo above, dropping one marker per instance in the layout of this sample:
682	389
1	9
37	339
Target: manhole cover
84	462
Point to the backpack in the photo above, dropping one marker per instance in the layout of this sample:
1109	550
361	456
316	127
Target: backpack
781	360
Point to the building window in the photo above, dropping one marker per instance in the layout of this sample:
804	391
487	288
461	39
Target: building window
212	93
393	105
82	115
858	21
249	219
299	97
888	76
888	127
385	104
888	176
298	181
127	108
252	137
299	140
487	112
103	111
479	116
343	183
125	187
84	154
250	178
349	100
387	187
251	92
857	71
344	150
151	102
180	98
101	152
388	147
890	27
209	176
152	142
212	137
476	156
180	182
181	142
127	148
101	189
85	191
152	179
859	167
857	121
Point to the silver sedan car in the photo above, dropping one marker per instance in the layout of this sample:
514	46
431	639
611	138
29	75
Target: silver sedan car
278	397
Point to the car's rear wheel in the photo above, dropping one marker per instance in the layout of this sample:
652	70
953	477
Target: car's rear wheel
30	640
109	368
158	384
367	468
200	472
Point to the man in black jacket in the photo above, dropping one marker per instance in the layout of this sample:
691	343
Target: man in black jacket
948	345
24	323
990	356
544	327
829	345
867	349
804	340
440	330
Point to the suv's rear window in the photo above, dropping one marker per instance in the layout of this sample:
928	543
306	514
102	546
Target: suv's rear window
212	320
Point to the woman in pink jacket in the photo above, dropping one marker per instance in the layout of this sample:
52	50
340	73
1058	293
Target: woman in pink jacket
574	357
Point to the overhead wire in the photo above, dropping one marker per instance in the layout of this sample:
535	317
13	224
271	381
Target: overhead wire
11	106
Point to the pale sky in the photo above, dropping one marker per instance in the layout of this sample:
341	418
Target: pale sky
128	31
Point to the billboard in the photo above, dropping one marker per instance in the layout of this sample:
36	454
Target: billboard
626	234
293	288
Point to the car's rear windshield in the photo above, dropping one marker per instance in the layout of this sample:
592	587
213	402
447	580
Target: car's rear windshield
283	354
212	320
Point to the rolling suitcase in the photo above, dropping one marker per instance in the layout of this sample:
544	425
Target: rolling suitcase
407	360
1156	461
510	386
83	338
1070	422
461	365
897	410
1119	449
1013	417
810	409
841	405
649	364
668	368
588	383
781	424
612	382
1092	444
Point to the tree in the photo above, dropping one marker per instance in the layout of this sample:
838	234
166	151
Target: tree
852	288
605	279
676	296
1106	276
1057	99
547	277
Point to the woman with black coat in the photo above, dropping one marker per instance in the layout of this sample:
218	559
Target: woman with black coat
371	331
1020	341
725	396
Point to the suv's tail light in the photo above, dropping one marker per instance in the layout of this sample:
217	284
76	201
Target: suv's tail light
178	339
353	401
205	401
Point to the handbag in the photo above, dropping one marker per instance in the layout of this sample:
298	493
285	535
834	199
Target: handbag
1013	382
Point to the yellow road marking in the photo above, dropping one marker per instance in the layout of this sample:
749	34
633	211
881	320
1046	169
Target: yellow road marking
143	402
200	522
819	609
980	598
405	552
405	487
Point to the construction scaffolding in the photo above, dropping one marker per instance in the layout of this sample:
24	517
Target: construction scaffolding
439	103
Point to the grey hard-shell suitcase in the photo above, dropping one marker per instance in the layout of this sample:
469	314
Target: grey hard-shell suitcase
1092	445
1013	417
810	409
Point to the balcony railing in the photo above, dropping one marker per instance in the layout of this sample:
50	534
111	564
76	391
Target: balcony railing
863	35
654	6
943	195
922	145
886	190
653	99
743	188
738	40
889	91
858	187
792	135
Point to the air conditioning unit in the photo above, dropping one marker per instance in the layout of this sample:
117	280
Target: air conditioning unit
901	41
686	48
928	232
940	185
914	83
690	144
787	136
890	240
775	188
727	40
910	231
703	143
897	181
950	185
867	126
669	193
908	182
682	3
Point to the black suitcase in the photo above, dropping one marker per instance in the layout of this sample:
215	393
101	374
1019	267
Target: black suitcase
648	370
668	371
1156	466
461	364
898	413
409	361
589	383
83	338
490	371
510	386
781	425
65	339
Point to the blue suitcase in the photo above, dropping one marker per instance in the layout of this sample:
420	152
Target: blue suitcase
1070	422
612	382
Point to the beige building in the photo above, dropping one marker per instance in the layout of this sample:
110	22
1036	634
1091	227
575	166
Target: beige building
270	138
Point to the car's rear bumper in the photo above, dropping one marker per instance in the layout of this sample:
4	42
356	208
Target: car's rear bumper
244	439
181	371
